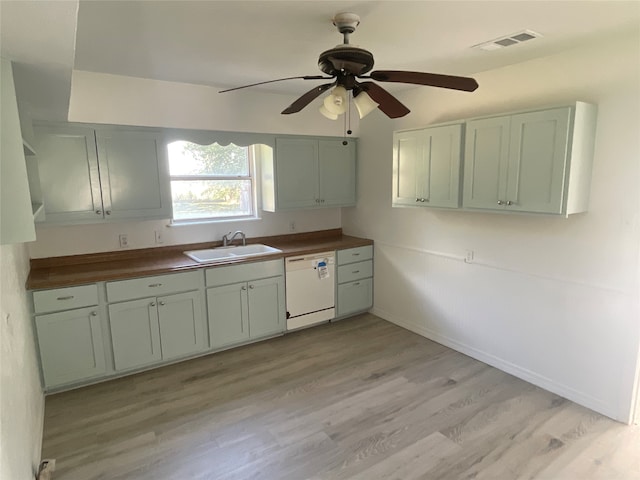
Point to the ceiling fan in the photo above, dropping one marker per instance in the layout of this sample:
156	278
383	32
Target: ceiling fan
346	64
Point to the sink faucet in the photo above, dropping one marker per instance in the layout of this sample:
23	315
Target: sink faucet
229	238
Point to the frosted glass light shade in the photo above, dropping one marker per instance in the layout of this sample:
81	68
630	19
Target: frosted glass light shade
364	104
327	113
336	103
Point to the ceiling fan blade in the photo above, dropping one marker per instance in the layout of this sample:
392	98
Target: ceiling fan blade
420	78
307	98
304	77
389	104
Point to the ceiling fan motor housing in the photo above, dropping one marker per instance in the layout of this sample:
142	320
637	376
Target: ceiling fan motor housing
345	59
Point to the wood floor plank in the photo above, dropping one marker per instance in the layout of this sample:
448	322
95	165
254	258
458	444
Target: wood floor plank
358	399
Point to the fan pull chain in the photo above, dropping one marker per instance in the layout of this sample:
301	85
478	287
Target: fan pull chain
348	115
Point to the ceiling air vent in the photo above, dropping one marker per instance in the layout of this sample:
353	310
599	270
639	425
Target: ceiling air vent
509	40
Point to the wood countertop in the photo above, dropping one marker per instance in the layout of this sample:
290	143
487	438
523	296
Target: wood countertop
73	270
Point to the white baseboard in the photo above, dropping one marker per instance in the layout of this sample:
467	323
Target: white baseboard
534	378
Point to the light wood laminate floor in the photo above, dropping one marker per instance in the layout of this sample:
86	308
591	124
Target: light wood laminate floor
358	399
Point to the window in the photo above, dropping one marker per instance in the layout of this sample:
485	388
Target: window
211	182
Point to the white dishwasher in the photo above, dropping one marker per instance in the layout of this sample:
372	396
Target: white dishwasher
310	287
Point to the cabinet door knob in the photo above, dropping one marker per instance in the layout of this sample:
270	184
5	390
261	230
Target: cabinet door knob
244	288
152	304
108	212
500	202
251	287
509	202
162	303
98	212
94	314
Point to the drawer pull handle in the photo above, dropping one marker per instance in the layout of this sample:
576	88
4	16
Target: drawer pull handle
154	285
356	254
68	297
356	284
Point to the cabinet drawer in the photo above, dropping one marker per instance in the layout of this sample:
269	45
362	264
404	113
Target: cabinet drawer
65	298
355	271
153	286
244	272
355	296
357	254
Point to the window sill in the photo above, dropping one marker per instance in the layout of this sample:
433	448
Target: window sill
186	223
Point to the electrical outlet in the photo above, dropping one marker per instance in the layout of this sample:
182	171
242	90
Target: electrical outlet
46	468
124	240
159	239
292	226
468	258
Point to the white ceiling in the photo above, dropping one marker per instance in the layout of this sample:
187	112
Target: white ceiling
232	43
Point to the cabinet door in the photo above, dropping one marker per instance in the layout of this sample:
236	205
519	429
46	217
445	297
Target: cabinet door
297	173
135	334
266	307
69	174
408	167
538	156
337	173
134	174
181	324
355	296
442	169
71	346
228	315
485	163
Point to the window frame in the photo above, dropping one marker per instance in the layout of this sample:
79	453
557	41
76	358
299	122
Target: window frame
251	154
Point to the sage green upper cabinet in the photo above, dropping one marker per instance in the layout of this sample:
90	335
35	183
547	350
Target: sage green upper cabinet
16	215
426	167
309	173
537	162
90	175
133	174
297	173
69	174
337	173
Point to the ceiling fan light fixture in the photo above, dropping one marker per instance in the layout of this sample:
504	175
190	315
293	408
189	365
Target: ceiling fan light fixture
327	113
364	104
336	103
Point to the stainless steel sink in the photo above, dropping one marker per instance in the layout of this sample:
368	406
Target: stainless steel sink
229	253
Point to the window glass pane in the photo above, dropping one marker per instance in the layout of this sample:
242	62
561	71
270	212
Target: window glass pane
186	158
211	198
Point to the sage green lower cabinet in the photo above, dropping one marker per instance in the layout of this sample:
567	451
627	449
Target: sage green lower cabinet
181	325
71	346
150	330
355	296
250	307
228	314
156	319
355	280
135	333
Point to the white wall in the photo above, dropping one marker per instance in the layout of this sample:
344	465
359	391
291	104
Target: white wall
552	300
21	397
119	100
79	239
